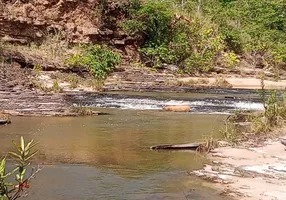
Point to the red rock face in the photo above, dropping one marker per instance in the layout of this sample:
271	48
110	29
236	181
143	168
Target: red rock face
78	21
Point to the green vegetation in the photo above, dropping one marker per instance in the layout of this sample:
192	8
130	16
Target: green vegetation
274	115
260	123
83	110
56	87
73	80
5	117
99	59
187	43
38	69
209	143
254	25
221	82
22	156
195	35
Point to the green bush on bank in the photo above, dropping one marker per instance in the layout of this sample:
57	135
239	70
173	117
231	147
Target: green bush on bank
218	29
190	44
99	59
262	124
248	26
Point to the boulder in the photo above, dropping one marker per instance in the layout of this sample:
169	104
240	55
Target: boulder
177	108
4	122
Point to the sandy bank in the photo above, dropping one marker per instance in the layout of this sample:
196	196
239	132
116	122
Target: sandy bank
242	83
249	173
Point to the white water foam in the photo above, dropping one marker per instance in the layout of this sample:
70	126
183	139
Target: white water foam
198	106
244	105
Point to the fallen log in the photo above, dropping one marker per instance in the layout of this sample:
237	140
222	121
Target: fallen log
190	146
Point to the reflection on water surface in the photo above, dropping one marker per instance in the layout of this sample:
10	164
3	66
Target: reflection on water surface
114	155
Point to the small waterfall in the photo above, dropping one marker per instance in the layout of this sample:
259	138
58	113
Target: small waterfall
206	105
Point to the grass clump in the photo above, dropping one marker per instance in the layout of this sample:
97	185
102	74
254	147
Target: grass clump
54	48
221	82
74	81
38	69
56	86
231	132
83	110
262	124
209	143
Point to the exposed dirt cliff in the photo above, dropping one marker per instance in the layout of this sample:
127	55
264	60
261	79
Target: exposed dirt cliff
77	21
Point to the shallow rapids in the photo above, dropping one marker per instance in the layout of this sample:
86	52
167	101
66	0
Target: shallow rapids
209	105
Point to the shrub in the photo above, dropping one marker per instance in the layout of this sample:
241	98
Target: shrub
230	59
56	87
14	190
38	69
174	39
216	26
83	110
250	25
153	18
264	123
98	59
274	115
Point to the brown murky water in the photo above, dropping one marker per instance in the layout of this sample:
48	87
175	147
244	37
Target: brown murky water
108	157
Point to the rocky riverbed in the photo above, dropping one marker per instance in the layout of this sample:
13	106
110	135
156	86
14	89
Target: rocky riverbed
248	172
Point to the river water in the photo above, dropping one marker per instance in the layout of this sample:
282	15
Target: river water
108	157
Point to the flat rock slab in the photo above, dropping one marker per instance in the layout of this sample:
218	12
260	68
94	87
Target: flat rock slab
249	173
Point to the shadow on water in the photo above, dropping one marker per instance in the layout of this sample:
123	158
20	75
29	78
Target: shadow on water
108	157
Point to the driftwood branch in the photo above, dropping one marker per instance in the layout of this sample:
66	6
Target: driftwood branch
191	146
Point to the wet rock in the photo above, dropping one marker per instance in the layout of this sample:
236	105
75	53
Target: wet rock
177	108
218	70
119	42
105	32
90	31
172	68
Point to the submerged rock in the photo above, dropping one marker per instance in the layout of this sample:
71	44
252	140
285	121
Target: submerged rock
4	119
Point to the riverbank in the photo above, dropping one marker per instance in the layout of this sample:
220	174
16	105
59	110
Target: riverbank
249	171
242	82
20	97
253	164
28	92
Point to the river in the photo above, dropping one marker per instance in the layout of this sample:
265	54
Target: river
108	156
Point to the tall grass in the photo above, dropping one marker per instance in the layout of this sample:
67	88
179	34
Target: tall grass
263	124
